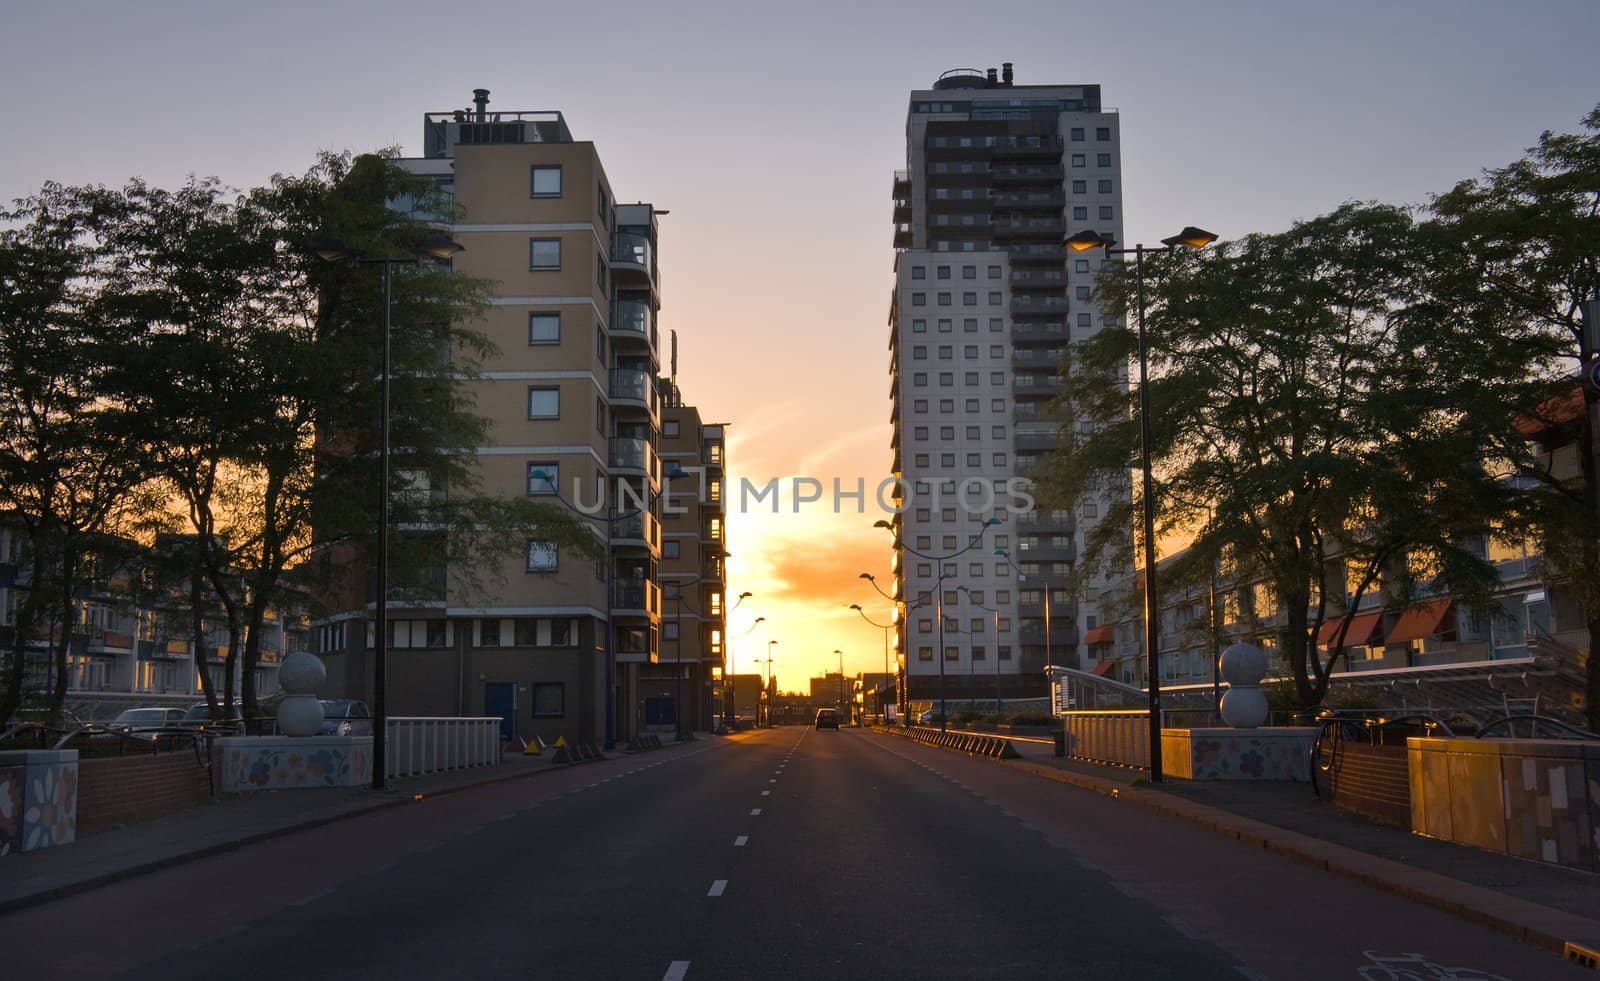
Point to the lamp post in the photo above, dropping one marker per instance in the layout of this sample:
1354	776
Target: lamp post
1193	238
440	248
885	627
770	645
841	679
938	595
733	677
996	612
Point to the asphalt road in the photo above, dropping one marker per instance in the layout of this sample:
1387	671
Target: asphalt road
789	853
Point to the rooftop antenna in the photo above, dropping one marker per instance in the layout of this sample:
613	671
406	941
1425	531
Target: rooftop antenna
674	334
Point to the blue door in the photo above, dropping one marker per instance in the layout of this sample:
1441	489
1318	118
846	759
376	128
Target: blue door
660	711
500	698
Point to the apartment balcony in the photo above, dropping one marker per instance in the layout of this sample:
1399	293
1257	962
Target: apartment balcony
637	531
1028	200
1036	253
711	450
1043	278
1030	229
1046	385
633	261
1027	412
1045	523
634	387
902	184
902	235
1037	359
1045	553
635	455
631	320
1028	303
1033	174
1036	441
1053	333
1022	149
902	209
636	599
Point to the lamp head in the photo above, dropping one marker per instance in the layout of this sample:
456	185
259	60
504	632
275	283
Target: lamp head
439	247
880	523
1192	237
867	576
758	620
1002	553
856	607
745	595
1085	240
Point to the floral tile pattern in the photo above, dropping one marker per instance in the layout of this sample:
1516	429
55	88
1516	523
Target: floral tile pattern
1237	754
281	763
38	799
11	778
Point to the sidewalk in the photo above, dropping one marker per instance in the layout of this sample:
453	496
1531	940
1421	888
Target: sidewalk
1545	905
29	878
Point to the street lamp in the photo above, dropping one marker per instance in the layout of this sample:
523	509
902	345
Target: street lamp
841	679
440	248
885	627
733	677
938	593
1192	238
770	644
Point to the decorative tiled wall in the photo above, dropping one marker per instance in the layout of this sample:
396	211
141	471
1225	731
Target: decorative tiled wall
38	799
1237	754
283	762
1532	798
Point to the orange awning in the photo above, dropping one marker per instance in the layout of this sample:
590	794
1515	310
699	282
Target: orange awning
1104	668
1100	635
1420	621
1551	412
1362	627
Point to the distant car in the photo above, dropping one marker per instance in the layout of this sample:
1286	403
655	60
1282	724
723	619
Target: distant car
199	717
931	716
345	717
143	720
827	718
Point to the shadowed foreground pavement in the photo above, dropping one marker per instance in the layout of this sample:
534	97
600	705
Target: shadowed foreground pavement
787	853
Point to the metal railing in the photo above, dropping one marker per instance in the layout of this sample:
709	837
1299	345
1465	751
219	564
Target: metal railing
416	745
1118	737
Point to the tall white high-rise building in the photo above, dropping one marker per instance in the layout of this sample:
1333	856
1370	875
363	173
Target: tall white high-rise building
986	302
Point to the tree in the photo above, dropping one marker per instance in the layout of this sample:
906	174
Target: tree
1318	423
1529	235
69	457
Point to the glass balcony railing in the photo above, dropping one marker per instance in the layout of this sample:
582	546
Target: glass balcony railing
644	527
635	454
630	317
632	250
632	384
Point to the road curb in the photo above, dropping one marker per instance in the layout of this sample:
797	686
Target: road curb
34	899
1541	926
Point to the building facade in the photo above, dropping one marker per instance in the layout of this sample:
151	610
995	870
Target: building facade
554	644
986	302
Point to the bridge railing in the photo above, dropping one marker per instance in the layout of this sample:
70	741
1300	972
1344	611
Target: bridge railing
416	745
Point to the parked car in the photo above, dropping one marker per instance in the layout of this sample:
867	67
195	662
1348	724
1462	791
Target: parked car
827	718
345	717
199	717
143	720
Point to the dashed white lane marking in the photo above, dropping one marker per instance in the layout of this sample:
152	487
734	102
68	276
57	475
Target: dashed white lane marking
766	793
741	841
772	781
755	812
675	971
717	887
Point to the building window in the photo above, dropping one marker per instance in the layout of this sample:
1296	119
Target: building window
944	272
969	325
545	181
944	299
920	432
1105	212
1102	160
921	459
542	556
544	477
947	406
994	272
994	299
1082	292
947	460
924	653
1104	187
945	324
669	631
919	272
1077	134
946	352
1080	187
999	432
947	379
996	325
1080	265
544	328
919	379
919	326
969	299
970	378
1102	133
1005	652
952	653
969	351
549	700
1080	160
919	299
544	403
919	353
488	633
670	428
544	254
919	405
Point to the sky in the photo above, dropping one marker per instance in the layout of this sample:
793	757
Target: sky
770	132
